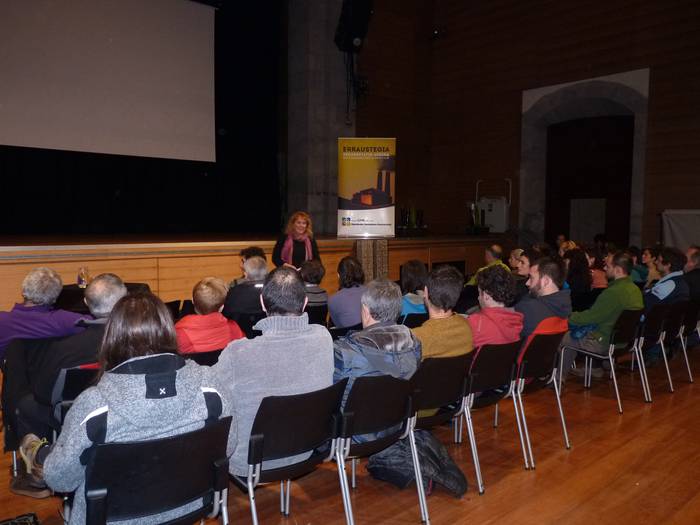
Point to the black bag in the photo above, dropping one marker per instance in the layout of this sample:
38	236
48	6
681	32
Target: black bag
24	519
395	464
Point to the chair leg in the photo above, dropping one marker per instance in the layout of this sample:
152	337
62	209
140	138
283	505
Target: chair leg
520	431
495	416
614	377
475	453
284	497
567	444
524	420
663	354
343	479
684	346
224	507
637	353
251	497
14	463
634	356
353	468
422	501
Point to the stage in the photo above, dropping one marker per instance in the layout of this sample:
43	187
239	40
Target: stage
171	265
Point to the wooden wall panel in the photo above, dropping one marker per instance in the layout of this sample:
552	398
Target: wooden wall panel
486	54
178	275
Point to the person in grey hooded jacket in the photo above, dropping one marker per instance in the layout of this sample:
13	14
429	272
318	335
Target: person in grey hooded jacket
382	347
546	298
146	391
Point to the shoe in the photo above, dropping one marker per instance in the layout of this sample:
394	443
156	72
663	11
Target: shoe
28	448
29	485
596	373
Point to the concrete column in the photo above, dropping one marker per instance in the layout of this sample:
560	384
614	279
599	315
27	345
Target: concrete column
316	110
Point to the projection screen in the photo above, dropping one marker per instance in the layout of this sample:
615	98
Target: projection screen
128	77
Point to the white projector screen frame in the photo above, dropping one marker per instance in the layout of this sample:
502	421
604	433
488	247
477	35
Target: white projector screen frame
129	77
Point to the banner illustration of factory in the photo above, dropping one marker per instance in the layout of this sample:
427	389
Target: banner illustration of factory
366	187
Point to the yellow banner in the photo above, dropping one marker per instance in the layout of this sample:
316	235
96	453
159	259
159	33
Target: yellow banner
366	187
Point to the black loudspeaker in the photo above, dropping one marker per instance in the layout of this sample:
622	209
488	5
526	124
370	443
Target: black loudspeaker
352	24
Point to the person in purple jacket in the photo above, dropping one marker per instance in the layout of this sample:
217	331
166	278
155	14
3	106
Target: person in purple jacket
35	318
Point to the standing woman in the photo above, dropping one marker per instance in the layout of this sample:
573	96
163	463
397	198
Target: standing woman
297	244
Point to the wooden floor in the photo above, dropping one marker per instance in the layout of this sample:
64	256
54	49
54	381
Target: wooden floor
640	467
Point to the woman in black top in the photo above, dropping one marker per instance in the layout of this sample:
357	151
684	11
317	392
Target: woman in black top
297	244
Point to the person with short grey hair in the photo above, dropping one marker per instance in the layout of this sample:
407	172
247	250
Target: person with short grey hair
36	318
382	347
102	294
244	299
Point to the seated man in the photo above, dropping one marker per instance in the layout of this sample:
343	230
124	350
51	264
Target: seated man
493	256
444	334
32	373
621	294
546	298
36	318
495	323
312	273
672	287
245	254
206	329
245	298
290	357
382	347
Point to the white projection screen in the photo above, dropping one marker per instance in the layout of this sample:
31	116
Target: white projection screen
128	77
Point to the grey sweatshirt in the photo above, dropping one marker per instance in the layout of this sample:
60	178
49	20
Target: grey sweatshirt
131	416
290	357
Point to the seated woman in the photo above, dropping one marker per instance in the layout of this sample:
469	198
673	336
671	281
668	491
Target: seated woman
145	391
297	244
649	256
345	305
207	329
579	278
312	273
514	259
596	264
414	275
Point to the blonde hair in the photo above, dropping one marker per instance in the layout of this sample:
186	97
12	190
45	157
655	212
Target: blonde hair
299	215
209	294
566	246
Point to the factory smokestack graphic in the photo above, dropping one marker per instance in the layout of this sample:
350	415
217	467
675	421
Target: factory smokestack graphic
379	180
387	184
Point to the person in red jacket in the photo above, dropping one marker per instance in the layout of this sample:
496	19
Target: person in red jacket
496	322
207	329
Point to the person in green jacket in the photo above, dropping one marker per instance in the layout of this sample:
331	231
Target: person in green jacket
493	256
621	294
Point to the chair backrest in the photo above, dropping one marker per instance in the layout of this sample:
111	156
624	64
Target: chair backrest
414	320
187	308
493	366
376	403
690	320
317	314
174	309
626	328
674	318
440	381
205	358
289	425
69	384
654	322
337	332
540	356
138	479
247	321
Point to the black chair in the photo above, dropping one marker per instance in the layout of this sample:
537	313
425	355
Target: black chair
414	320
287	426
69	384
337	333
674	327
138	479
377	414
652	331
174	309
317	314
247	321
623	339
493	367
187	308
205	358
539	359
690	323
